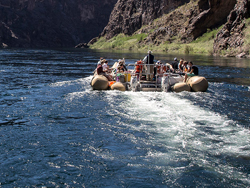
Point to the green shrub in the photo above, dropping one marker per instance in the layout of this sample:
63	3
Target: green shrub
209	35
188	49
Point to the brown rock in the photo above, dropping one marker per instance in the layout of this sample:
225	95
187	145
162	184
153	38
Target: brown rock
82	45
185	23
129	16
231	35
213	13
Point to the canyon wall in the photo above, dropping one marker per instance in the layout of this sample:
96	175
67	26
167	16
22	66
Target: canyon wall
190	23
231	36
186	24
130	15
64	23
52	23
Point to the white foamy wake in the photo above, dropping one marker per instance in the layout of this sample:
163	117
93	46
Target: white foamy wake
189	134
75	88
185	129
82	81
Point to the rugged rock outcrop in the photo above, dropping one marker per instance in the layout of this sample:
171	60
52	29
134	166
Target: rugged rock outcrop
184	22
212	13
52	23
130	15
189	22
231	35
64	23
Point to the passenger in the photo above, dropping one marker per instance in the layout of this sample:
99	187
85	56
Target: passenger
101	58
122	62
193	71
158	69
100	71
98	63
175	64
115	65
186	67
180	65
105	66
168	68
149	61
121	68
138	69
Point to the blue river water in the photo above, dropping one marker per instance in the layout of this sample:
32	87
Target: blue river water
55	131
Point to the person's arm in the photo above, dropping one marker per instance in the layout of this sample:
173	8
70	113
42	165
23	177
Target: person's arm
192	70
179	67
125	68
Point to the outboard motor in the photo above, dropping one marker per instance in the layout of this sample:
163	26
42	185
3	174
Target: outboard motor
165	85
134	83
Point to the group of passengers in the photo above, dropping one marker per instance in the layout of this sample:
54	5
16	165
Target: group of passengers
120	68
182	67
186	68
151	68
103	69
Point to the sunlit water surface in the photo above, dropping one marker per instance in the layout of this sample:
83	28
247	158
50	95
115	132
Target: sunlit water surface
55	131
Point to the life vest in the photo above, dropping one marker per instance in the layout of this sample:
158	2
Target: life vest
138	67
164	68
160	68
185	69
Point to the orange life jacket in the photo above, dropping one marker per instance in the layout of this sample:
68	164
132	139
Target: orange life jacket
138	68
164	68
159	69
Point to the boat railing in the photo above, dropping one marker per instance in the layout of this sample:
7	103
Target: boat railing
131	72
143	71
151	77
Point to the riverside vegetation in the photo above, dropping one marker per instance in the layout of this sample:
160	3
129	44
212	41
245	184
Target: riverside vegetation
165	34
202	45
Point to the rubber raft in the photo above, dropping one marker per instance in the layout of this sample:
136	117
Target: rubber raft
195	84
100	82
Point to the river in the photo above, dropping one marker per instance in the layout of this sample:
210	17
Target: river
55	131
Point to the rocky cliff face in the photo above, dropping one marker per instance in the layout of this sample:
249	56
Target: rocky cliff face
52	23
130	15
231	35
211	14
189	23
64	23
185	23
